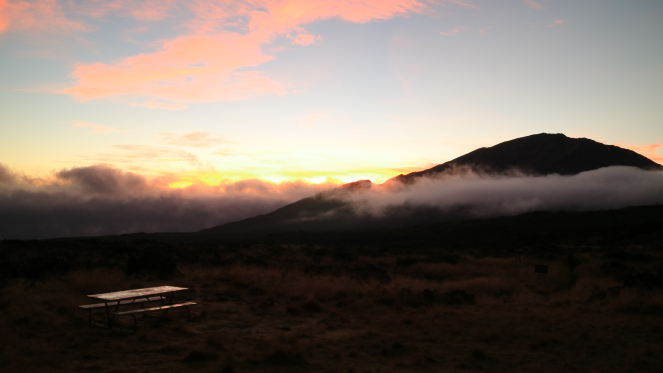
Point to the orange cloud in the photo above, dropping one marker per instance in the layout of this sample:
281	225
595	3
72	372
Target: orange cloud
159	105
44	15
649	151
98	128
533	4
455	31
556	22
192	139
203	66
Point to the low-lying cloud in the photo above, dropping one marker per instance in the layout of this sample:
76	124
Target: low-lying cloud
487	196
103	200
6	176
103	180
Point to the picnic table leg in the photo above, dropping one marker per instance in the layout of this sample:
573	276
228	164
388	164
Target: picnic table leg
111	319
188	315
166	300
170	301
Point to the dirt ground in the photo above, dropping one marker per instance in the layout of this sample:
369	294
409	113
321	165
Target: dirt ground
298	311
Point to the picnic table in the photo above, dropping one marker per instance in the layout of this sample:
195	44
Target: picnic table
122	303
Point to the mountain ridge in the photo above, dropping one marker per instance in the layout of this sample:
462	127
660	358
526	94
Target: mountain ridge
334	210
539	154
535	155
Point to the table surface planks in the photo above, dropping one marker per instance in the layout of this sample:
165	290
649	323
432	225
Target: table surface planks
136	293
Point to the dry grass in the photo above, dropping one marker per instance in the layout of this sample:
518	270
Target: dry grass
319	315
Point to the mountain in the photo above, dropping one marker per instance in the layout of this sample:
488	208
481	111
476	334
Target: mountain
540	154
301	215
545	232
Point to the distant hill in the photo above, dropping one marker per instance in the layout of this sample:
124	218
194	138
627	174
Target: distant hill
540	154
546	231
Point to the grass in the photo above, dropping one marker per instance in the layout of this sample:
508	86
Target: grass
303	308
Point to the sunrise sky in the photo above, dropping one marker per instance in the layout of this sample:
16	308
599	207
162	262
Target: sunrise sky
197	92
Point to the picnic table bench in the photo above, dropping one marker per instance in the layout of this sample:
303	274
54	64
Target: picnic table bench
160	297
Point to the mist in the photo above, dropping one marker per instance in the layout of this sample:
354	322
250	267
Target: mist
481	195
102	200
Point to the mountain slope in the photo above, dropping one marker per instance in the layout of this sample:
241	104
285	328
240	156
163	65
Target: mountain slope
628	226
540	154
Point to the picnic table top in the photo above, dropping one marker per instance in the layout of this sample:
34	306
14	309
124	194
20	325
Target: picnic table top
136	293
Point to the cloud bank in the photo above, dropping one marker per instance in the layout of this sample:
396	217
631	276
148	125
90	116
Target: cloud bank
102	200
478	196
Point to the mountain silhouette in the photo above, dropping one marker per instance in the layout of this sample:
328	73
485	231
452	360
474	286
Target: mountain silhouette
540	154
535	155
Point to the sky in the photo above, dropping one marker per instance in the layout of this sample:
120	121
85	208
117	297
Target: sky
284	98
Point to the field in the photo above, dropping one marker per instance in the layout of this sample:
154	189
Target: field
284	307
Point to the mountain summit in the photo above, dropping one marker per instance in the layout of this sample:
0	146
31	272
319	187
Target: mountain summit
540	154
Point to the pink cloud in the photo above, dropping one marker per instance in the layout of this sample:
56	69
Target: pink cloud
45	15
533	4
183	70
303	38
203	66
3	21
649	151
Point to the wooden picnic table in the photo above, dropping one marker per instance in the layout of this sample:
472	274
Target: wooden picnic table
160	297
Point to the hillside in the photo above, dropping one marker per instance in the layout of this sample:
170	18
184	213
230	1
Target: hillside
540	154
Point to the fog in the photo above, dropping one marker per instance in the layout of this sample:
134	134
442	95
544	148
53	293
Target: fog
102	200
480	195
